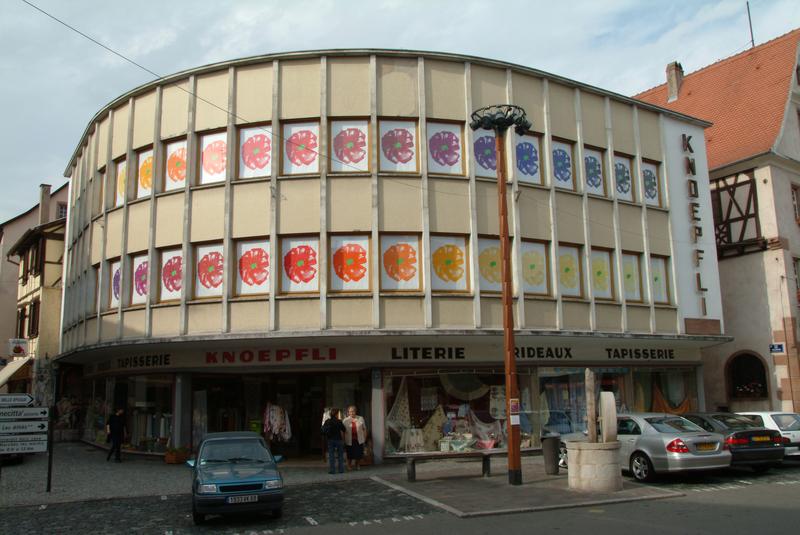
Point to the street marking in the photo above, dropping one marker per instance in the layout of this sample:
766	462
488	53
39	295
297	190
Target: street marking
311	521
600	511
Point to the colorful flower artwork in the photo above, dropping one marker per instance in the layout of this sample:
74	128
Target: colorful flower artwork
140	283
399	256
490	266
569	271
527	150
116	284
398	149
484	154
255	152
658	274
144	184
209	271
300	148
650	182
121	182
300	270
350	142
176	165
601	274
213	158
445	150
622	178
171	274
350	263
534	268
630	277
253	264
593	167
563	172
449	263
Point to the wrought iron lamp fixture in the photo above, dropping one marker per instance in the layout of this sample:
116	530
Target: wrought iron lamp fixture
500	117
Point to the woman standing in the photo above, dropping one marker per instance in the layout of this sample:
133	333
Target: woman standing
355	436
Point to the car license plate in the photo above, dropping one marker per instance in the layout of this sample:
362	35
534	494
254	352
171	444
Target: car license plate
761	439
706	446
242	499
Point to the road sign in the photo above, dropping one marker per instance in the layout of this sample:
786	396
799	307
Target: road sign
10	439
23	447
777	348
23	426
15	400
23	413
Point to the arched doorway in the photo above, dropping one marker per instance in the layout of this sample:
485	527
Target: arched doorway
747	383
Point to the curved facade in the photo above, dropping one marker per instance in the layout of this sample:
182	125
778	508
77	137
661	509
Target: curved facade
333	240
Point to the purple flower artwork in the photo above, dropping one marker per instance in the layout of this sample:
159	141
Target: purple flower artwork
444	147
140	278
527	159
485	152
115	283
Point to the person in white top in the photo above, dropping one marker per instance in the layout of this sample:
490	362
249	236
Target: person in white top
355	436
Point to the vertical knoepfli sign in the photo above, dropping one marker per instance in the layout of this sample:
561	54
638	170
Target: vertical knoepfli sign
695	229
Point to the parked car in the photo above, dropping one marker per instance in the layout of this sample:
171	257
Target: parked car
235	472
788	423
750	444
651	443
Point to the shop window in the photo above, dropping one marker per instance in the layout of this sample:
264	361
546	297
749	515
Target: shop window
401	262
651	182
140	287
300	148
446	148
563	164
350	144
300	273
747	376
594	170
450	261
535	267
490	265
632	276
147	401
255	151
175	165
171	275
120	182
114	284
623	178
602	275
253	267
350	263
213	157
209	270
144	173
528	158
670	390
398	151
570	271
660	279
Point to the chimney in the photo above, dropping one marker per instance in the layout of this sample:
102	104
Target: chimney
44	203
674	80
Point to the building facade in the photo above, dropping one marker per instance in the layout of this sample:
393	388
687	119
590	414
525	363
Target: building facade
333	240
753	99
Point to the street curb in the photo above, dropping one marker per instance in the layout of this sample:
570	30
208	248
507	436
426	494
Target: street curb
461	514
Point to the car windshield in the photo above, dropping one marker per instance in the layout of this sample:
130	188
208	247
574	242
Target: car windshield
733	421
672	424
234	450
787	422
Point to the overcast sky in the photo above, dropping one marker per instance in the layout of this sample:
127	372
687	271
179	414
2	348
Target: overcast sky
52	80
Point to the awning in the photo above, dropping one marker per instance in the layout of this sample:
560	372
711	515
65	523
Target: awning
11	368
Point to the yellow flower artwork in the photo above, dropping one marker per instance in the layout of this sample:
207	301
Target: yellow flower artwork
600	275
146	173
568	271
630	275
489	264
121	181
533	268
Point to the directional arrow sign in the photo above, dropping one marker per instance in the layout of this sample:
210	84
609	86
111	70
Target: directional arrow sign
15	400
23	447
26	413
23	426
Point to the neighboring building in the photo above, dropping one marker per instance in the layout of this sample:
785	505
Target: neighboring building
753	101
17	376
334	241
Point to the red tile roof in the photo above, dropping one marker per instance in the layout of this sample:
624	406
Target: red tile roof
744	96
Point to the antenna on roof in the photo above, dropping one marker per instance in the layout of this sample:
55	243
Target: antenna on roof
750	22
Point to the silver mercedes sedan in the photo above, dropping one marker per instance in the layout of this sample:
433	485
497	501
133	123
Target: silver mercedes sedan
655	442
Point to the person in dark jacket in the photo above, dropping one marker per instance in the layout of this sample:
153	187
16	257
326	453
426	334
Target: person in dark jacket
115	429
333	429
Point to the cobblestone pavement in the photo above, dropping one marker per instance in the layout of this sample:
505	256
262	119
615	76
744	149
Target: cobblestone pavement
358	502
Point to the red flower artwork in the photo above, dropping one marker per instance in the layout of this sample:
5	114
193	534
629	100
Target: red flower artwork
255	151
253	266
171	274
398	145
214	157
300	264
349	262
348	145
399	262
209	270
300	147
176	165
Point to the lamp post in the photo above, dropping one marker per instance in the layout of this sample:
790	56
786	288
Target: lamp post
499	118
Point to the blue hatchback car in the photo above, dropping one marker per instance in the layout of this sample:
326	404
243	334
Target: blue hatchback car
235	472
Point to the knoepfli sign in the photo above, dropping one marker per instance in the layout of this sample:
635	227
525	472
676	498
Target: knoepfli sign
695	230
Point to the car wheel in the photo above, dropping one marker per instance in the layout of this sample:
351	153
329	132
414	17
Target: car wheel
641	467
761	468
277	513
562	455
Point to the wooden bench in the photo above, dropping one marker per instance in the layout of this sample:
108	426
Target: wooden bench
485	456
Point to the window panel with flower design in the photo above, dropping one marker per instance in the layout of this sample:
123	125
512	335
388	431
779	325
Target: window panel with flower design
121	181
445	148
209	270
490	270
484	154
594	171
176	165
450	263
144	175
397	152
660	279
623	178
528	158
171	275
631	278
350	146
651	183
569	271
563	165
213	157
601	276
534	268
140	286
115	284
255	151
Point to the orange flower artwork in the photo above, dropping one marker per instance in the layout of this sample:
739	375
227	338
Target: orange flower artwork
350	262
399	261
146	173
176	165
448	263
